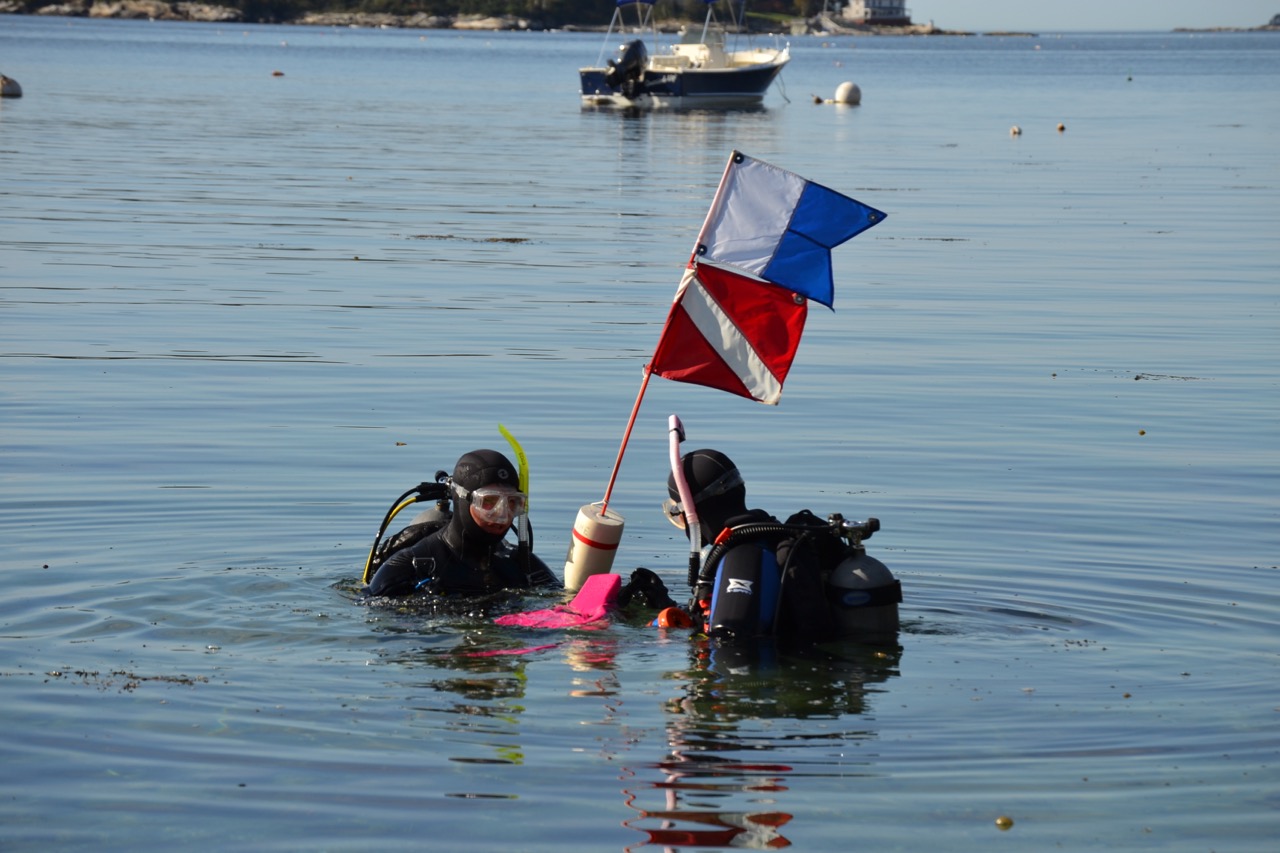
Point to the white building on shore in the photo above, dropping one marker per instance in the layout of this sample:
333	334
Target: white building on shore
888	12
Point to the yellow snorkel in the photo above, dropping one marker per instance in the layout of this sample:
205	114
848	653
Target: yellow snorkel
524	533
520	458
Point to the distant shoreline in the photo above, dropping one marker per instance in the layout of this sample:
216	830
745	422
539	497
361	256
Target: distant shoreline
1265	28
178	10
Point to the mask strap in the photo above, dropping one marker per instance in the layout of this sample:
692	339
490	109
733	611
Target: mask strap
728	480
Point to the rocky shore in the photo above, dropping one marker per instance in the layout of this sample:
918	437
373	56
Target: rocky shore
180	10
138	9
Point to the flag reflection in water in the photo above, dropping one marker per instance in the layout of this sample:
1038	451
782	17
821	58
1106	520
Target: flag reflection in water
716	786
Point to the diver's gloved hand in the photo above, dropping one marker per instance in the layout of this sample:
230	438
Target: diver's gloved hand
646	588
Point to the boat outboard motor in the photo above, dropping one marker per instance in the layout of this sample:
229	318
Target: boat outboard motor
863	594
625	72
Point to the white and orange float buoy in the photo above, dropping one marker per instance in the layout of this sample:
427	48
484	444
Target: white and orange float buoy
596	534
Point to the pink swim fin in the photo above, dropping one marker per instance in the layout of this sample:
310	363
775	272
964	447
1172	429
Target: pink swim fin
591	604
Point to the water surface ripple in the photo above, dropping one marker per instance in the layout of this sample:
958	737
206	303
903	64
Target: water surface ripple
241	311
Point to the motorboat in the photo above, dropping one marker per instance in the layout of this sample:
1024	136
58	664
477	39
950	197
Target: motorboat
697	71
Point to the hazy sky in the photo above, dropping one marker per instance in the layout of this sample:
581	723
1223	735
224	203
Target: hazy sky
1059	15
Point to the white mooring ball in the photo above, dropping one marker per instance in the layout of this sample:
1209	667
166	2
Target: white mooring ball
848	93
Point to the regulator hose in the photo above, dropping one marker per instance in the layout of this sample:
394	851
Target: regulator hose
421	492
754	530
731	536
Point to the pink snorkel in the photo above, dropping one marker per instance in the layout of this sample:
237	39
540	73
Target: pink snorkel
676	432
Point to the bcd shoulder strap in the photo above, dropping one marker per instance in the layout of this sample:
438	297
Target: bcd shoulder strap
406	538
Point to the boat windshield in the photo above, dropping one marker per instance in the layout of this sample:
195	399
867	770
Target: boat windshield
702	35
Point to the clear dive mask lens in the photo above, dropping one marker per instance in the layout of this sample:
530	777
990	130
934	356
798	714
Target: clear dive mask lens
674	512
498	504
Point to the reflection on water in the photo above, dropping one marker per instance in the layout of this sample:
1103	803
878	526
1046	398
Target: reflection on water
231	329
720	783
744	725
697	136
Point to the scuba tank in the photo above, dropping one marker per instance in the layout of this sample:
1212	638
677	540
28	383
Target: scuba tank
832	579
863	593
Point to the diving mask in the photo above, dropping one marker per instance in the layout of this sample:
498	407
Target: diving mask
498	504
674	512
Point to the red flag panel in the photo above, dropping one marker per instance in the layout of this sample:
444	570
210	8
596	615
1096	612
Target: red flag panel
731	332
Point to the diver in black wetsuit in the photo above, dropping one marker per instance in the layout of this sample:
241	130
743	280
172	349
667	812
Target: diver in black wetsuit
754	595
469	556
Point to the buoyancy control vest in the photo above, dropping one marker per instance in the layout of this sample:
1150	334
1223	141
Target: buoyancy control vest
795	581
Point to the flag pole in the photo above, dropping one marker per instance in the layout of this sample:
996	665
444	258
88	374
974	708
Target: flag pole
626	436
635	409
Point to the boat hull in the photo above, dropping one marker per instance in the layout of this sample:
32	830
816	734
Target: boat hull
685	88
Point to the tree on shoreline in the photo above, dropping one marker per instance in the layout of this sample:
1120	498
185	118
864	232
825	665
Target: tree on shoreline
547	13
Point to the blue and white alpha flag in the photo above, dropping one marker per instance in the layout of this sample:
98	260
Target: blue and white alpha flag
780	227
763	252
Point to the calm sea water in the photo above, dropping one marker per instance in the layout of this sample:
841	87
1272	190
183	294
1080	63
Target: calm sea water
241	311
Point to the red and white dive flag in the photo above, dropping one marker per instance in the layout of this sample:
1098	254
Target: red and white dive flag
763	252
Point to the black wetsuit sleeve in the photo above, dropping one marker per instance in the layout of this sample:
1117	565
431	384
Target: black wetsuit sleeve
431	559
396	577
540	575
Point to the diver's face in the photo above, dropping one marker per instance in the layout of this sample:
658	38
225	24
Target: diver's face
495	507
496	528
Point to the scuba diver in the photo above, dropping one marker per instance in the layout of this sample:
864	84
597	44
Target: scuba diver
806	580
466	554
